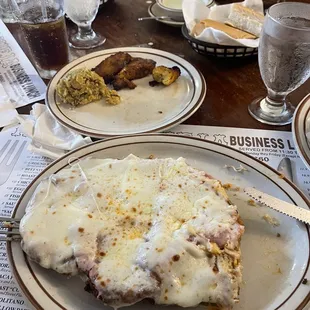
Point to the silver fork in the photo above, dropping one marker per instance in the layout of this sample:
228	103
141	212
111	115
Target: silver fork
5	168
9	229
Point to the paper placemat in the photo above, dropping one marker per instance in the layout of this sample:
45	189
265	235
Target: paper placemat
18	77
268	146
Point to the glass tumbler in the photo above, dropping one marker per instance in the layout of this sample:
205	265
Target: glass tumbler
44	28
284	60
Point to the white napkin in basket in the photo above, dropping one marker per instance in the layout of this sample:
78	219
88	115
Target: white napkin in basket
196	10
49	138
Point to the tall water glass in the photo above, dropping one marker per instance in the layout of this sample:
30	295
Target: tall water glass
83	13
44	28
284	60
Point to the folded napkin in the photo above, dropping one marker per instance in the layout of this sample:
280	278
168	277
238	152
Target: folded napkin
8	112
196	10
49	138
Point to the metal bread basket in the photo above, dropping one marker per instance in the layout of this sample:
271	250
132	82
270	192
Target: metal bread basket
216	50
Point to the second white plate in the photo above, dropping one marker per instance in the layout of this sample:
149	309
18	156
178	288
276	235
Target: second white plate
275	260
143	109
300	127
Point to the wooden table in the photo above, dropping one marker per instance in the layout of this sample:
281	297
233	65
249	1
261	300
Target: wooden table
232	84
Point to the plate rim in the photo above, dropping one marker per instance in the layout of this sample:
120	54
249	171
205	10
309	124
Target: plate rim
181	117
299	130
201	145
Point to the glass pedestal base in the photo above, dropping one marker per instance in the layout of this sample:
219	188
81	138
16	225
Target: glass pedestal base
271	115
86	42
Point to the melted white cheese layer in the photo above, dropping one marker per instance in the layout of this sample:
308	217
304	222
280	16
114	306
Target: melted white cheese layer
138	228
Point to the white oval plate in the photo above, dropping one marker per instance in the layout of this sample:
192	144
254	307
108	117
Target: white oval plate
143	109
274	267
300	127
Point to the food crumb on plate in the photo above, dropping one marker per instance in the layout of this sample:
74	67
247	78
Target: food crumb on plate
278	271
251	202
271	220
304	281
227	185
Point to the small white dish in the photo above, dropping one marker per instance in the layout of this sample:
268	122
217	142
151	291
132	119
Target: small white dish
172	8
171	5
155	10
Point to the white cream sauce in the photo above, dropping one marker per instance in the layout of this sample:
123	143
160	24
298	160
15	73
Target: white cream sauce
157	228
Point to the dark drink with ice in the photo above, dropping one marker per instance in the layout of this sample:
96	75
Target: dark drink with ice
46	35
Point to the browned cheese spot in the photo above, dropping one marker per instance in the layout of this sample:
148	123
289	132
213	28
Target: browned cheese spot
227	186
215	267
175	258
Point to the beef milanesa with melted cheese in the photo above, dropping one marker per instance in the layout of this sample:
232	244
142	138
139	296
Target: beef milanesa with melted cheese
138	228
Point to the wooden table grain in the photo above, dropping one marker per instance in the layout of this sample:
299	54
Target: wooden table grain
231	84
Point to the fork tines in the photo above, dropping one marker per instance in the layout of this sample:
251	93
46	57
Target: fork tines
9	229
